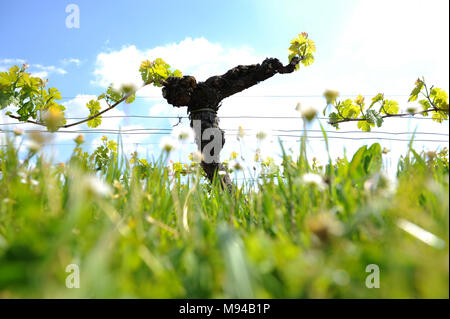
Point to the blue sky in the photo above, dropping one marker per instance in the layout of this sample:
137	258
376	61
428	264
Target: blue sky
38	33
362	47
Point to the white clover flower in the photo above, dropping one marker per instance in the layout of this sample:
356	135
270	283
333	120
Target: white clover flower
257	155
183	133
33	146
325	226
237	165
241	132
97	186
381	181
36	141
261	135
128	88
169	144
392	184
197	156
431	155
22	175
307	112
331	96
18	131
8	200
369	185
341	277
34	182
170	170
314	179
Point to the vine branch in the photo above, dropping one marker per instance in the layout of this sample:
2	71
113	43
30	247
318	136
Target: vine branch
385	116
86	119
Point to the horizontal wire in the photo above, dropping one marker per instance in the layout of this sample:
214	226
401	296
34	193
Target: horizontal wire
232	117
346	132
283	135
164	130
320	118
220	117
319	138
177	117
245	96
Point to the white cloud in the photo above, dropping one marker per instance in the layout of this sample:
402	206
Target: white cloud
41	74
160	108
12	61
48	69
197	57
76	107
37	70
69	61
5	64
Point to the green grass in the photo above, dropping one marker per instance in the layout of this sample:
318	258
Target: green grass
154	235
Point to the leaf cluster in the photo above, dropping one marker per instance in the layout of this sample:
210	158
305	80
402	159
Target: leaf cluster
30	96
154	72
302	48
368	116
101	157
433	98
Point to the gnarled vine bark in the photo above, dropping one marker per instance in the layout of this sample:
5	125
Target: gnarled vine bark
203	100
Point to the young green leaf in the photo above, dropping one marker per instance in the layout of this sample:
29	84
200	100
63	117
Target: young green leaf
415	92
365	126
390	107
